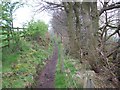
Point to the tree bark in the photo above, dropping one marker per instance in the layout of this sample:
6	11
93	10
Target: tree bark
71	33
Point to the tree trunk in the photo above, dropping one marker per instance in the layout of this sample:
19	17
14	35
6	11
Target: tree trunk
90	25
71	33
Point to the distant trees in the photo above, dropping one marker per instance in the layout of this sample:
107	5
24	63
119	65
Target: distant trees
37	28
36	31
59	26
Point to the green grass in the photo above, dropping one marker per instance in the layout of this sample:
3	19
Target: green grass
62	80
69	65
19	67
65	79
9	60
11	54
69	75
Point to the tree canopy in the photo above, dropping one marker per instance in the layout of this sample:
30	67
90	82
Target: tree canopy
37	28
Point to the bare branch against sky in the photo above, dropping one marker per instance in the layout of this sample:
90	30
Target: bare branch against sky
32	10
26	13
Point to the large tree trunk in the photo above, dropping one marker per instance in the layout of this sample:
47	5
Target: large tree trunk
73	46
76	8
90	25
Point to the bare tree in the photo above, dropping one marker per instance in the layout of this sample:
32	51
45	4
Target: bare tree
89	30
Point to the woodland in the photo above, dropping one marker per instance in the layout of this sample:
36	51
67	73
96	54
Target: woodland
82	49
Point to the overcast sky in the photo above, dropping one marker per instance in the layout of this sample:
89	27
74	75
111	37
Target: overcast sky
25	14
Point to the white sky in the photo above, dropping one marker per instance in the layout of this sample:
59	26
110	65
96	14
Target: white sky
25	14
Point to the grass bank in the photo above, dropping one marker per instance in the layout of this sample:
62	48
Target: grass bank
66	71
19	63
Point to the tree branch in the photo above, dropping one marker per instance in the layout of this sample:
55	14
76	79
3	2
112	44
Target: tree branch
110	7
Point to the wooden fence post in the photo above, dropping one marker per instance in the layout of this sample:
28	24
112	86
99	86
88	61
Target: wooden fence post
24	32
10	33
8	36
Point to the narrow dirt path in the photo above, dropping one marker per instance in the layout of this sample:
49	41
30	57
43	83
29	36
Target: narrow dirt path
46	78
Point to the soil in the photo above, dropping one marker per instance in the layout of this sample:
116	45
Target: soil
46	77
